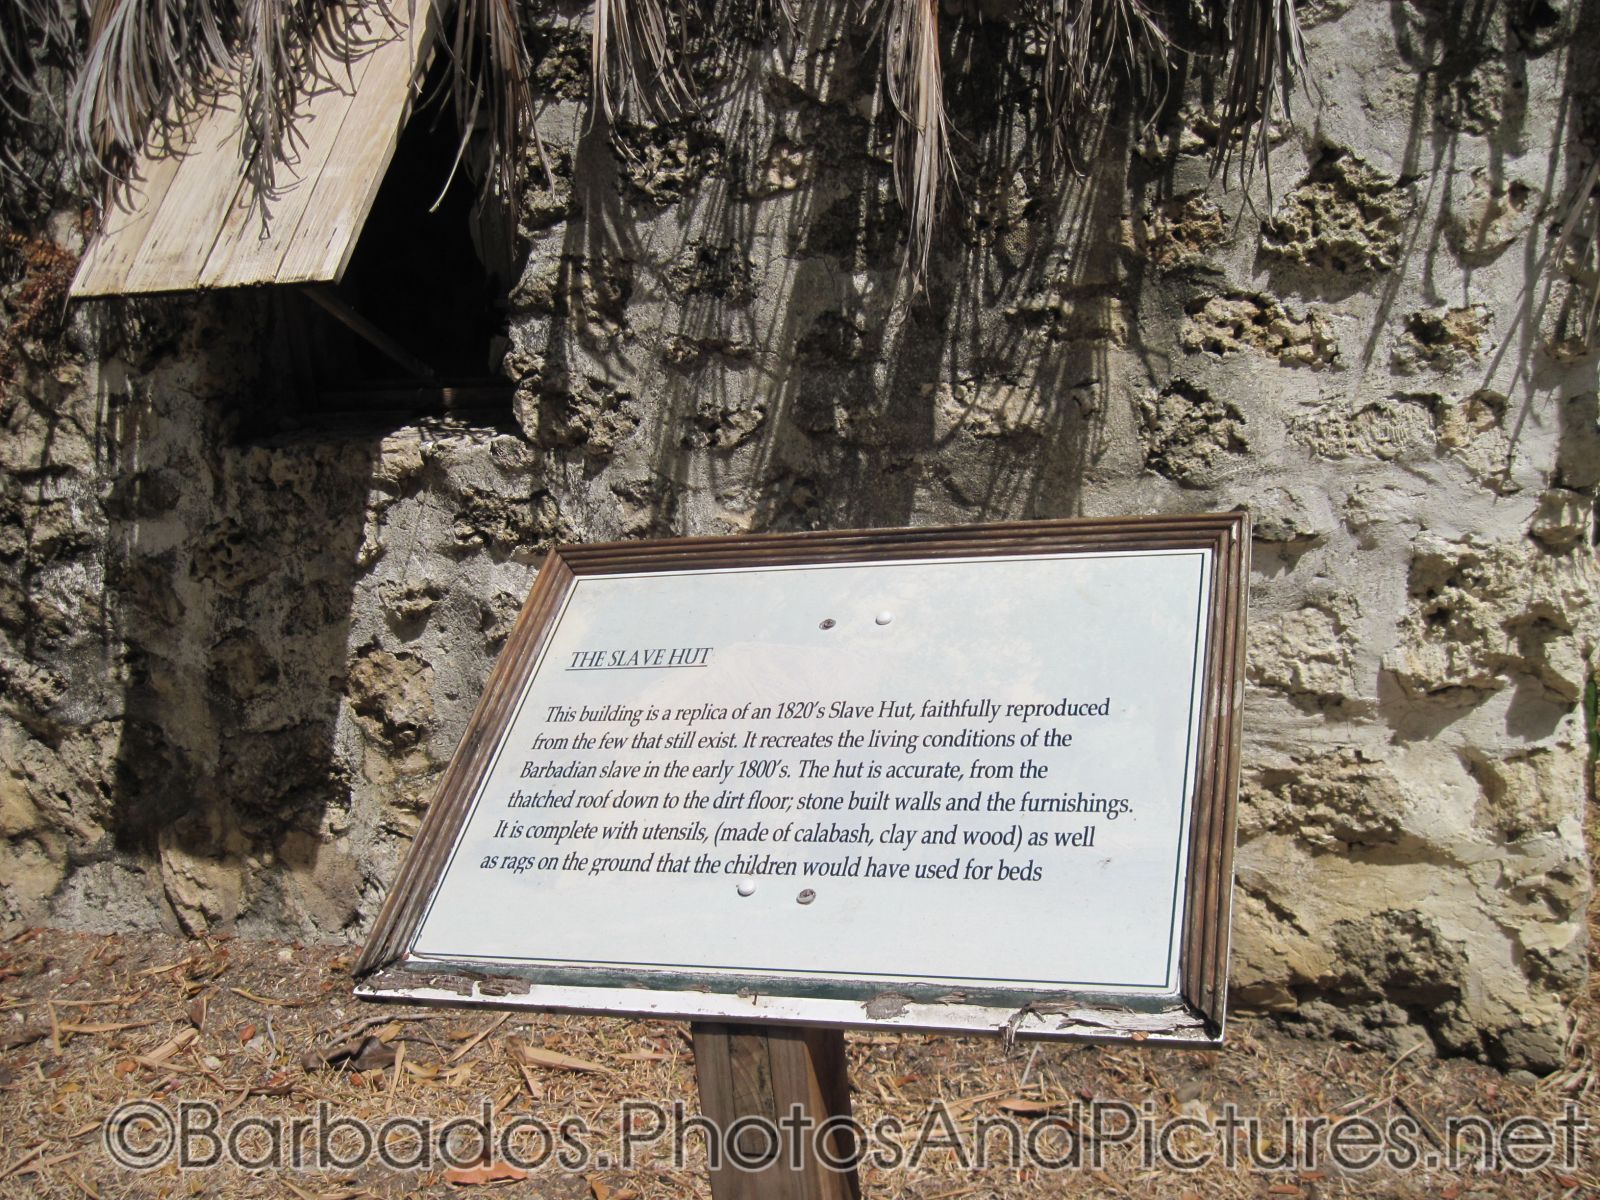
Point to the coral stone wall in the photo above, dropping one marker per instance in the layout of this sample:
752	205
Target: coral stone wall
235	663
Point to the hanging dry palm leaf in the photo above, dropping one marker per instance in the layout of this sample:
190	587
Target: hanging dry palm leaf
914	80
1088	44
151	63
32	32
291	48
1266	58
636	56
491	76
137	75
274	67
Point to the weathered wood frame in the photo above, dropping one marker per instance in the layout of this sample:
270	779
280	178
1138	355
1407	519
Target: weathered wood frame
387	971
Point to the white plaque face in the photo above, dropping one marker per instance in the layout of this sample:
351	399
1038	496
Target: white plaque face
966	772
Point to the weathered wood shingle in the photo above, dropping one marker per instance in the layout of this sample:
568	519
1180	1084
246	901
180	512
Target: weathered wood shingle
188	221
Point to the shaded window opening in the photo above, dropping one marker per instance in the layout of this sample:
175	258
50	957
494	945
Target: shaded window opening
417	324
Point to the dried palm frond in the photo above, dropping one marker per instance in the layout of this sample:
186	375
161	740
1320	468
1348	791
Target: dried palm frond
275	65
635	57
138	79
1266	58
1088	43
491	74
914	80
289	49
150	64
31	32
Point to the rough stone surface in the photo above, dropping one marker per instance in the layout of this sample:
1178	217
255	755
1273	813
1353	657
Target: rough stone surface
1224	325
1490	216
1484	618
1189	436
1345	218
1180	232
236	651
1442	339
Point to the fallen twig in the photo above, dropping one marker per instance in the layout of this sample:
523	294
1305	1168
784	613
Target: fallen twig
476	1038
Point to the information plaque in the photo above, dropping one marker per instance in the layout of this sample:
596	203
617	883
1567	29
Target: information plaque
958	778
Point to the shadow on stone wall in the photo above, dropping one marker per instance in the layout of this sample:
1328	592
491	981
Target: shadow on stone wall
1471	61
231	569
728	286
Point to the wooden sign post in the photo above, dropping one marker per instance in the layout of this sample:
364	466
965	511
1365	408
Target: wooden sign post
969	779
766	1071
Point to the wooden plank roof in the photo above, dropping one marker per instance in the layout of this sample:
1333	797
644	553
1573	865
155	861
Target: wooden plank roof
188	222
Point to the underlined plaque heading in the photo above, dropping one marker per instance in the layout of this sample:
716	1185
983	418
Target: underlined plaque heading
942	778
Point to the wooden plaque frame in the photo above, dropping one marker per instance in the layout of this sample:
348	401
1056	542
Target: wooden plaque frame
386	971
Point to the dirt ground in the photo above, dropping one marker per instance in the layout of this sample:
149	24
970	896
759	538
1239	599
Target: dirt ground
238	1039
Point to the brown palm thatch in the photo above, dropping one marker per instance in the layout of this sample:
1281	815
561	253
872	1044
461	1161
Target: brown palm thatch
1266	57
491	75
636	52
140	69
1087	45
915	83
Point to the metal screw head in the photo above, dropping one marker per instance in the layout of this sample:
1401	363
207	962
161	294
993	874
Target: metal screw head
827	623
806	897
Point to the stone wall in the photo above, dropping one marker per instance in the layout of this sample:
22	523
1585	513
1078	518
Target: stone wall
234	664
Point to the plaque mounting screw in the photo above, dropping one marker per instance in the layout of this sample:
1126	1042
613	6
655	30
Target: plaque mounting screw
827	623
747	887
806	897
884	617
